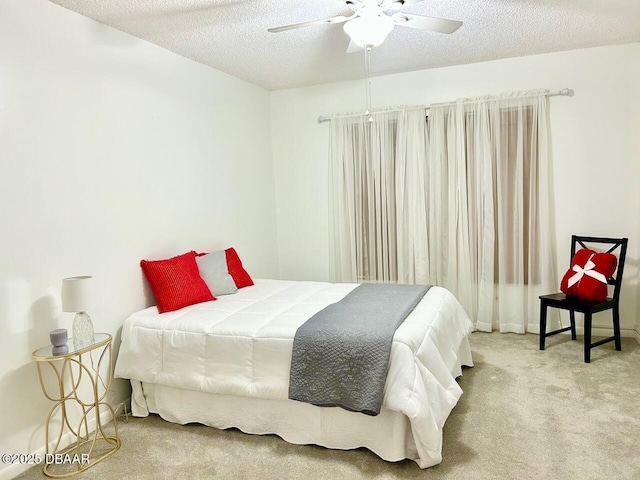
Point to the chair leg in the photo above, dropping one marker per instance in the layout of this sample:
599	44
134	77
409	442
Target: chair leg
572	318
543	323
587	337
616	327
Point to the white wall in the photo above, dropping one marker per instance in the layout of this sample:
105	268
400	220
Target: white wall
112	150
596	148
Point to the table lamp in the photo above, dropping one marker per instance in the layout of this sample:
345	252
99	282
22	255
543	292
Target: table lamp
76	297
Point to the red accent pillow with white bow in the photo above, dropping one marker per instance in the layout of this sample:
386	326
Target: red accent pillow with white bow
588	275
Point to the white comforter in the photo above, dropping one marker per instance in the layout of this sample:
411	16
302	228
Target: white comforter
241	344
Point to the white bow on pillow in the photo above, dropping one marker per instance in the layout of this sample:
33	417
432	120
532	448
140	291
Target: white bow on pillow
587	270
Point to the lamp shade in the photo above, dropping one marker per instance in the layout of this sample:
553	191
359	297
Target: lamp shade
369	30
77	294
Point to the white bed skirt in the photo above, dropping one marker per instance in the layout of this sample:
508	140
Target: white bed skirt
388	434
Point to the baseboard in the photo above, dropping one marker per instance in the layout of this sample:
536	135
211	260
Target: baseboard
14	470
601	331
607	332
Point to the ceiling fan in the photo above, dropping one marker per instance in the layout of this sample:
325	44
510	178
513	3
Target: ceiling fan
372	21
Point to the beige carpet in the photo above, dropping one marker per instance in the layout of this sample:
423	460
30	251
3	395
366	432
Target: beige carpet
525	414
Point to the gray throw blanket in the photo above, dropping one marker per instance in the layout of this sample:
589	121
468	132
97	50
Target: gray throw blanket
341	354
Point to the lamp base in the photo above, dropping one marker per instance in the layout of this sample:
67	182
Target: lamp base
82	330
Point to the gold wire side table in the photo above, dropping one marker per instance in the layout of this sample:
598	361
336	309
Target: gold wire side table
86	448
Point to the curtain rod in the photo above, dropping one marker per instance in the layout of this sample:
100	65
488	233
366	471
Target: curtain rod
565	92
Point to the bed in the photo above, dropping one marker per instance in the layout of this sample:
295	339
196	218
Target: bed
226	363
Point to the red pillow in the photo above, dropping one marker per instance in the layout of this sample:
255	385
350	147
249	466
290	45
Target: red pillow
588	275
236	270
176	282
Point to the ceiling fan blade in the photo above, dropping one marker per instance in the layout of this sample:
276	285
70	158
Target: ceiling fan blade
431	24
337	19
406	3
354	47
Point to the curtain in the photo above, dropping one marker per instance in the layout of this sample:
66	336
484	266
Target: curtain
378	198
459	199
362	198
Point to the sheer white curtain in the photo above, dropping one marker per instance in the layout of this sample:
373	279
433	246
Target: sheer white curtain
461	200
377	198
498	250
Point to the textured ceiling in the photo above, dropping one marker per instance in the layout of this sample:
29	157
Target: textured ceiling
231	35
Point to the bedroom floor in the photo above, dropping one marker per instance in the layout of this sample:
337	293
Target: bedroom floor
524	414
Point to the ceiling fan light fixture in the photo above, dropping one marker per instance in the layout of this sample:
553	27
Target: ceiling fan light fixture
369	30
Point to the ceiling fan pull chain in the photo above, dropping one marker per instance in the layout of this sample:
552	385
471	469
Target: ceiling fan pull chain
367	66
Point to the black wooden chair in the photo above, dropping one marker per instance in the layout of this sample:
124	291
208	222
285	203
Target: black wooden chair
574	304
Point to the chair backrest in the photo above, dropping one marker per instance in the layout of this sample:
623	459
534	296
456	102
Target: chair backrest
611	245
